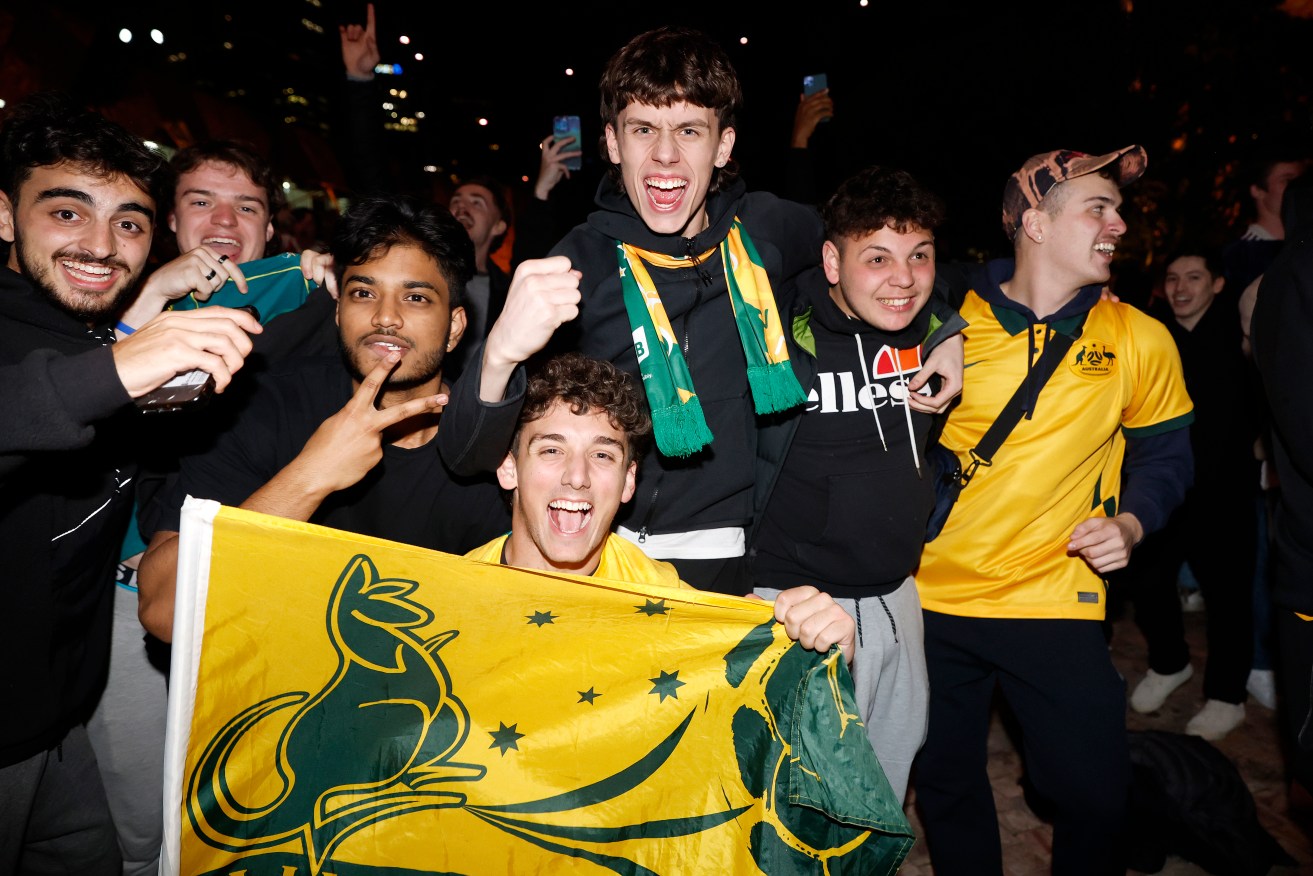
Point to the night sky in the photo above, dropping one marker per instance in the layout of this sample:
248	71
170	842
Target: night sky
960	97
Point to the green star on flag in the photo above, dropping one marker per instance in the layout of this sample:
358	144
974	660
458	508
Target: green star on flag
653	607
667	684
506	738
587	696
538	618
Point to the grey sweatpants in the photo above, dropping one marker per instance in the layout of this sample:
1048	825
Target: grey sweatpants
127	732
889	676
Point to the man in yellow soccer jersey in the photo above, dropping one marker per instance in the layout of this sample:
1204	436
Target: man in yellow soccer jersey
1012	587
571	465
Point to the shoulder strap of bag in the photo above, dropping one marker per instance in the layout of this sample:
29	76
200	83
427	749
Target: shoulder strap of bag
983	453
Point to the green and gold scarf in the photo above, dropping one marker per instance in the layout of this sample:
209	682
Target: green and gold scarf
677	420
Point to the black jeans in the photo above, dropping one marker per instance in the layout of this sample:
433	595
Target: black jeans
1070	704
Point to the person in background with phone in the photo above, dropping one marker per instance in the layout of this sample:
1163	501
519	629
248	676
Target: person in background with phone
481	202
814	106
646	285
78	208
347	441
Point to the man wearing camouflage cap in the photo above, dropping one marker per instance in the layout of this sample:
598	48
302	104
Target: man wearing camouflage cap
1013	585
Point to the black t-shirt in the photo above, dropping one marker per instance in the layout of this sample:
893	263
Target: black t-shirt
409	497
849	510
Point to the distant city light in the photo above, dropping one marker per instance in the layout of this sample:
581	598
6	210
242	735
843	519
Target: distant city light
483	122
405	40
419	56
393	92
743	41
569	71
419	115
864	3
2	103
388	106
388	69
402	94
287	186
430	168
125	36
524	178
157	36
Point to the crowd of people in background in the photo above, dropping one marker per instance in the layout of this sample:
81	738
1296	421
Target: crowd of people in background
744	391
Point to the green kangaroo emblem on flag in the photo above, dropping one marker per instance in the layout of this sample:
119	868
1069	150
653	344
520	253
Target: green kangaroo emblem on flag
345	757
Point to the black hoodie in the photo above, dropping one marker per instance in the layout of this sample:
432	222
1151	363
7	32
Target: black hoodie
848	511
65	501
714	487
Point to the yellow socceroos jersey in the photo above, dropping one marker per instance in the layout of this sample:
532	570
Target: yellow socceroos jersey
1003	552
621	561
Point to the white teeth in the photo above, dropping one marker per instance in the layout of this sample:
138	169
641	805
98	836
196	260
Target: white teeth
564	505
95	270
894	302
229	241
1109	248
666	184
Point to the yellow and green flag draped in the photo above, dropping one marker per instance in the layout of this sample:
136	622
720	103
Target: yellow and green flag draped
346	705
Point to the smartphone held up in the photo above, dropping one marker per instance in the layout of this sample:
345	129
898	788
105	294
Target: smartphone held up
567	128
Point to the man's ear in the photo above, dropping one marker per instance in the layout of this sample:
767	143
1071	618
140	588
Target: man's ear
725	147
499	229
173	222
507	474
830	260
631	480
6	219
1218	283
268	231
457	332
612	145
1033	223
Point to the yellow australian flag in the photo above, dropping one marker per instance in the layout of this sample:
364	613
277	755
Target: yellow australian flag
342	706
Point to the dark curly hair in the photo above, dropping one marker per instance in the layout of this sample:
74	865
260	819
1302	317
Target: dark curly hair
588	385
233	153
876	197
668	65
372	226
49	128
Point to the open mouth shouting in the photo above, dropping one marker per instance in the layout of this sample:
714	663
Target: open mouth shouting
665	193
569	517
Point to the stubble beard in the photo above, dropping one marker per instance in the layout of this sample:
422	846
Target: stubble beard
84	306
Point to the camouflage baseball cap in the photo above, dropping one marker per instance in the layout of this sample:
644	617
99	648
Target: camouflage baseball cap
1028	186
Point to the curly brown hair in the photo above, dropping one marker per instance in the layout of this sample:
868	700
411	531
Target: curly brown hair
588	385
876	197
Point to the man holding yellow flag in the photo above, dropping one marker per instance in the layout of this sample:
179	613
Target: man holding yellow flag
573	463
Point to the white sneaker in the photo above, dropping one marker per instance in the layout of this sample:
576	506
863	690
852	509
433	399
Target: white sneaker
1262	687
1153	689
1216	719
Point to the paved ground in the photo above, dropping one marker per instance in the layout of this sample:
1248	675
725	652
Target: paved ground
1253	748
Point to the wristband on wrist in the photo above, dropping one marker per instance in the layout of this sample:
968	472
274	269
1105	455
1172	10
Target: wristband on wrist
125	328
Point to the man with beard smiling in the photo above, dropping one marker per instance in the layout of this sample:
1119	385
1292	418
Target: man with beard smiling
78	206
346	442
